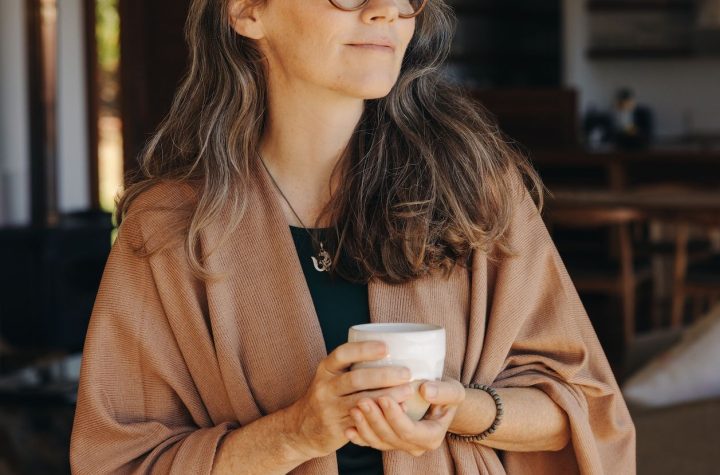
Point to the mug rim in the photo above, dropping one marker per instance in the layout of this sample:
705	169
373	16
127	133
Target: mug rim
403	327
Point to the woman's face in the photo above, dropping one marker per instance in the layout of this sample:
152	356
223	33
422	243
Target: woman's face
312	41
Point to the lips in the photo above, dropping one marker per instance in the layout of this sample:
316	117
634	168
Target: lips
376	43
371	47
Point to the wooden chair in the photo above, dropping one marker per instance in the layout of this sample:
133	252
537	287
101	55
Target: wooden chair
693	278
672	242
625	276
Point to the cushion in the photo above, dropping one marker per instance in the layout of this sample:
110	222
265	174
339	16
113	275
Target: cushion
688	371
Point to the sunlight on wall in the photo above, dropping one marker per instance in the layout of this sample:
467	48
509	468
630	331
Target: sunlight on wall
110	153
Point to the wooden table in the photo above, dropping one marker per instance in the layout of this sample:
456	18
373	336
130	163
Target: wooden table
622	169
681	207
678	206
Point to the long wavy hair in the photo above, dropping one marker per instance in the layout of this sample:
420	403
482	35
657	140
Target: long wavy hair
426	178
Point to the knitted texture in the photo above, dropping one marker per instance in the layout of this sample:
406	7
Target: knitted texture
171	365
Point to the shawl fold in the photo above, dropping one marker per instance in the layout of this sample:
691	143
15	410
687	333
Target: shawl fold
172	364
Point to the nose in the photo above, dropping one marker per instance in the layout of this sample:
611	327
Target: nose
380	10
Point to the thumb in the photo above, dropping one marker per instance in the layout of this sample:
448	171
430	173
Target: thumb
429	390
438	392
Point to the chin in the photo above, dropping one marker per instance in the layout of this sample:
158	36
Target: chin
370	89
362	83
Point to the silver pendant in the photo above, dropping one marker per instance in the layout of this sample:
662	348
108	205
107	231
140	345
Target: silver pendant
324	263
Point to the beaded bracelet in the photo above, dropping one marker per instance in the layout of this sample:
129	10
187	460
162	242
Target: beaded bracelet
496	422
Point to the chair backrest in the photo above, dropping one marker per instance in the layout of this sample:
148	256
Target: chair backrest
588	217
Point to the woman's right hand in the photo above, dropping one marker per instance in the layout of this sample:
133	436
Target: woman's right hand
322	415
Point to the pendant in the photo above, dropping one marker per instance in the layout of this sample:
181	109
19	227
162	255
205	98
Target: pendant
325	261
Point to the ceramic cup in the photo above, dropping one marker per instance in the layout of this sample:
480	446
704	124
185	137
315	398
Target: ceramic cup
418	346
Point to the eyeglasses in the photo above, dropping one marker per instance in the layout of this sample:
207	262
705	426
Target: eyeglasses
408	8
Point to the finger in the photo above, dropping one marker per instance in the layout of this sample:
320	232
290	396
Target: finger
380	426
363	379
443	392
435	412
426	435
437	427
399	393
354	437
366	432
398	421
346	354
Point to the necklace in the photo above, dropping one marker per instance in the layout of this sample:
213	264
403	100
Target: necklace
322	261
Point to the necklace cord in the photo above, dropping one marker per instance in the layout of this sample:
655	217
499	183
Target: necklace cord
324	256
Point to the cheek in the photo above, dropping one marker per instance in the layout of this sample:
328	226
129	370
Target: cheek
315	59
302	46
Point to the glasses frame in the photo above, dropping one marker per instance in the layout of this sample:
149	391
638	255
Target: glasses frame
365	2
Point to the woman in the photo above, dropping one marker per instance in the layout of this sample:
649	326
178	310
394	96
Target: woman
217	341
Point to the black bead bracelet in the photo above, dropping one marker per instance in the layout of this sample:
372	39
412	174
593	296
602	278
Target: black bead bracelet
496	422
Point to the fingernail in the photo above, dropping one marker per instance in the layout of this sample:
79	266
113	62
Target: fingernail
431	389
364	406
384	403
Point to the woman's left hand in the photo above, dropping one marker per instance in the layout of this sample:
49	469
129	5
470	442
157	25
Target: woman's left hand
383	424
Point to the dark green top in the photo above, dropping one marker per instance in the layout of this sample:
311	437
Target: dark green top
339	304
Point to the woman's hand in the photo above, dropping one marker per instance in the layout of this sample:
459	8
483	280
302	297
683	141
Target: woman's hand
321	417
385	426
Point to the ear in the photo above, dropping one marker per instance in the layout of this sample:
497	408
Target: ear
245	19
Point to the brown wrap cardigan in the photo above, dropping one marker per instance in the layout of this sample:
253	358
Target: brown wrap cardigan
171	364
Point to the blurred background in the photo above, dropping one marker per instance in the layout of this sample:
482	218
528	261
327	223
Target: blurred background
616	102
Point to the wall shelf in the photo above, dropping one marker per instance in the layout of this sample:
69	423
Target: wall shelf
598	53
641	29
635	5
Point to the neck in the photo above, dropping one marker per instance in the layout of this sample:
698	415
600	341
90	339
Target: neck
305	134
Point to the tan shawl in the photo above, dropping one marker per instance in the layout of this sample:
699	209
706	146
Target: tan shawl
171	365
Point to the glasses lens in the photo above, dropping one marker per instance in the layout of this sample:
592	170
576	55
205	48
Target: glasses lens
405	7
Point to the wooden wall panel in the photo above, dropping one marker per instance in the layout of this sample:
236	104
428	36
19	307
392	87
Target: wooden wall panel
153	60
92	97
41	19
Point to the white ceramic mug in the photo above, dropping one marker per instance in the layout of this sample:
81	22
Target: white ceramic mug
418	346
